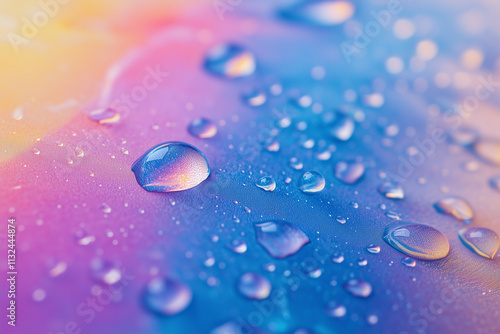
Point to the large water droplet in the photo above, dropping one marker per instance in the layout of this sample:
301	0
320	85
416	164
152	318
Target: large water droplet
311	182
230	61
105	116
267	183
418	241
480	240
167	296
254	286
342	128
171	166
391	190
279	238
455	206
202	128
349	172
322	13
358	288
489	150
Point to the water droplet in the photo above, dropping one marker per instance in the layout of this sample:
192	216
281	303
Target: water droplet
393	214
323	13
338	258
456	207
362	262
480	240
373	249
267	183
489	150
105	208
323	155
202	128
342	128
255	98
230	61
463	136
335	310
418	241
105	271
272	145
358	288
254	286
409	262
79	152
372	319
105	116
171	166
36	151
167	296
296	164
238	246
495	182
279	238
311	182
349	172
391	190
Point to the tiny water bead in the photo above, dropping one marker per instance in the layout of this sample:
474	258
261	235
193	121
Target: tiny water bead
418	241
172	166
311	182
409	262
255	98
296	164
322	13
105	116
266	183
342	128
279	238
105	272
392	190
373	249
202	128
358	288
338	258
335	310
349	172
238	246
480	240
495	182
166	296
254	286
230	61
489	150
456	207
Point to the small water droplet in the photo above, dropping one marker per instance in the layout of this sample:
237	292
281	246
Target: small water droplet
362	262
323	155
418	241
254	286
373	249
104	271
167	296
36	151
489	150
335	310
393	214
296	164
372	319
279	238
171	166
230	61
105	208
456	207
266	183
322	13
238	246
272	145
480	240
358	288
79	152
342	128
463	136
338	258
202	128
391	190
105	116
495	182
349	172
255	98
409	262
311	182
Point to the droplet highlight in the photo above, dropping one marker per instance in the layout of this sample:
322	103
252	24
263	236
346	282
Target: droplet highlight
279	238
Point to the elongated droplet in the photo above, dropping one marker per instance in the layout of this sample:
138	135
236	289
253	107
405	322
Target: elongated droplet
349	172
489	150
254	286
358	288
342	128
495	182
167	296
392	190
202	128
455	206
105	116
266	183
311	182
171	166
409	262
230	61
279	238
322	13
480	240
418	241
463	136
373	249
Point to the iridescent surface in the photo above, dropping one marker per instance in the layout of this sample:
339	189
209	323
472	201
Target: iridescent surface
418	241
280	239
172	166
456	207
481	241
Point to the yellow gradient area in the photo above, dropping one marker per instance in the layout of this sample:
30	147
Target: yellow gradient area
54	55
